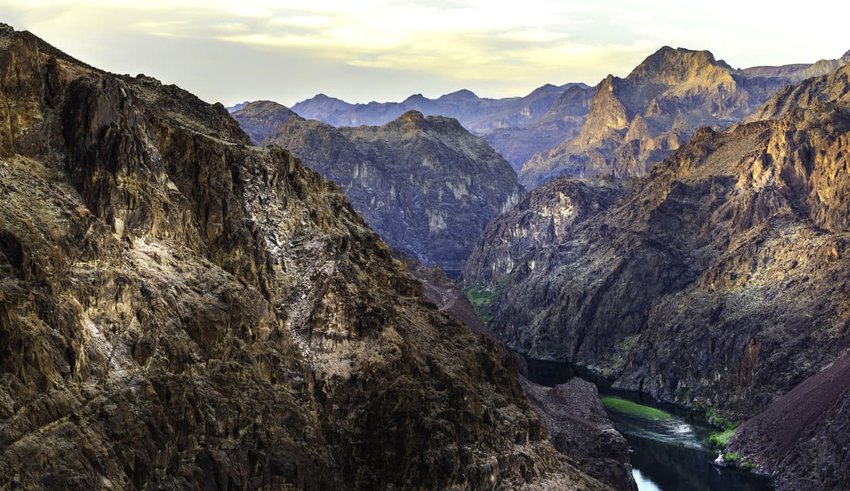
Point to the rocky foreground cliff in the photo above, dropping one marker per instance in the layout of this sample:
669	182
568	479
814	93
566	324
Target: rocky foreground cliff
182	310
425	184
637	121
717	281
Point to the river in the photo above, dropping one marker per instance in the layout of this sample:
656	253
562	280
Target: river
667	455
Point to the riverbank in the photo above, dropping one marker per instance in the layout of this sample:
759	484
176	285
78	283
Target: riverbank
668	445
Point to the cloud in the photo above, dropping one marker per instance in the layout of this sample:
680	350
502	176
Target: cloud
379	48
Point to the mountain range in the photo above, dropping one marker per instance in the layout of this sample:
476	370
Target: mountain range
637	121
517	127
621	127
257	297
425	184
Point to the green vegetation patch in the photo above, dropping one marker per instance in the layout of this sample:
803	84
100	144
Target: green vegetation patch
735	460
480	298
721	439
625	406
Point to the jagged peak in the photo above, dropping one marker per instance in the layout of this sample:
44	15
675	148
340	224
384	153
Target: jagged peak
572	85
608	83
409	119
544	89
265	103
845	58
267	109
321	97
676	65
415	98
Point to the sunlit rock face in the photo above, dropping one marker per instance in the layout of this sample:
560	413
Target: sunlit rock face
637	121
182	310
425	184
718	280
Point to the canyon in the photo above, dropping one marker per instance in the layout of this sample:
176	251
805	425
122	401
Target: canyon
716	282
450	293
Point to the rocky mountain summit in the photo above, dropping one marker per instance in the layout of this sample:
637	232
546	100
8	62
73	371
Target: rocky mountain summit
182	310
425	184
260	119
716	281
639	120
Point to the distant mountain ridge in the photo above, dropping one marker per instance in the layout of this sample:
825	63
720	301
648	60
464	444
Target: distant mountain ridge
517	127
477	114
425	184
620	127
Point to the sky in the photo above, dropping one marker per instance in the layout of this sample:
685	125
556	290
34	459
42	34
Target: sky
362	50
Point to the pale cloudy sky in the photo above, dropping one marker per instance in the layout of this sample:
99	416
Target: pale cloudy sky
365	50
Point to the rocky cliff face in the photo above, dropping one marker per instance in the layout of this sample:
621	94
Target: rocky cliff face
572	413
182	310
803	438
639	120
425	184
719	280
544	217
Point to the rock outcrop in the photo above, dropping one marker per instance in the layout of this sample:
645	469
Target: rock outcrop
719	280
181	310
637	121
579	426
260	119
425	184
